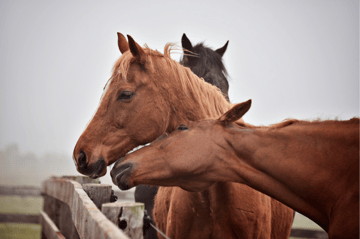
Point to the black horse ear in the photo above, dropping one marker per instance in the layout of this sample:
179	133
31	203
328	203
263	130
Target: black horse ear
185	43
222	50
136	50
235	112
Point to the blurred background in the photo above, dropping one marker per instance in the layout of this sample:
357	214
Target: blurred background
294	59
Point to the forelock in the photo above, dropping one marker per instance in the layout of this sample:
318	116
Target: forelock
123	64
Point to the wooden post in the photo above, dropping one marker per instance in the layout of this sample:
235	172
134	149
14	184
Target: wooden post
98	193
128	216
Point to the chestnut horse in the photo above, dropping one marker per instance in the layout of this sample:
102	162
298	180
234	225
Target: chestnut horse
313	167
149	94
207	64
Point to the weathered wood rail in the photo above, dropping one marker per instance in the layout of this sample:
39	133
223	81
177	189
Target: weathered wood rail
72	210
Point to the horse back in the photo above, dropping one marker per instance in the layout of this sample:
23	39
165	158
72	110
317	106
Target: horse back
225	210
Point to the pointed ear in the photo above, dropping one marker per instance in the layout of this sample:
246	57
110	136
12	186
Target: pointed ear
235	112
222	50
186	44
136	50
122	43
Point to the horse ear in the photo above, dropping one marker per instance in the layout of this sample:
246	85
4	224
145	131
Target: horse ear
122	43
222	50
235	112
185	43
136	50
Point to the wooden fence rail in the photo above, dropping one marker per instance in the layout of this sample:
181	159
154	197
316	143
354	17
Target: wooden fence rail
23	191
72	210
79	207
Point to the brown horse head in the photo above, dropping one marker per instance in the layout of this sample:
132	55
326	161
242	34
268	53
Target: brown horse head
187	154
148	94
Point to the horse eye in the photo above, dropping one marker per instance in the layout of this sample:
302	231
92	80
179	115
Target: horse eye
182	127
125	95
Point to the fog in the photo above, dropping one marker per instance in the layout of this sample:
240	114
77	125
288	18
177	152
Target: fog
294	59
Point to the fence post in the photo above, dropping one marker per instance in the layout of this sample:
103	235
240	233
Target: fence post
98	193
128	216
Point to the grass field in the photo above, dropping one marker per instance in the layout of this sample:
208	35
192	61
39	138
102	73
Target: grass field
28	205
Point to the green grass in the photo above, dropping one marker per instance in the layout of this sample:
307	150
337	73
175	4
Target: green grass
25	205
19	231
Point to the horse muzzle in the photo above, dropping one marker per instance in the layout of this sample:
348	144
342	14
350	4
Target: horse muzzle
93	170
120	174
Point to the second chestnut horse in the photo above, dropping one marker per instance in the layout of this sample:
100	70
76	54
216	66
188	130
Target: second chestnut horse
312	167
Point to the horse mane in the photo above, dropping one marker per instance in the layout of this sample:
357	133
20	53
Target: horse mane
211	100
288	122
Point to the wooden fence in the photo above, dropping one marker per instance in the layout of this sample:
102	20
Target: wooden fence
72	210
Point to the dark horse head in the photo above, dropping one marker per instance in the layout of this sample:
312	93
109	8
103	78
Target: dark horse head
206	63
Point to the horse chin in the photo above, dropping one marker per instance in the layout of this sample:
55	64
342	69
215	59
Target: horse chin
95	176
197	187
122	176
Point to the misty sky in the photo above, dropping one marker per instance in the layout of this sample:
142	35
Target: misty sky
295	59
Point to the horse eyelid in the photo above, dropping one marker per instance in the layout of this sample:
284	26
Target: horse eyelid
127	94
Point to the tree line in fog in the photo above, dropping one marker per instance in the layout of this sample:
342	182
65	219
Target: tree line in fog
31	169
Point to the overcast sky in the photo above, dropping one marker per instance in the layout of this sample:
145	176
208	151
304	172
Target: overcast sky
295	59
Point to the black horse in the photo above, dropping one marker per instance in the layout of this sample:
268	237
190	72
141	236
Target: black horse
207	64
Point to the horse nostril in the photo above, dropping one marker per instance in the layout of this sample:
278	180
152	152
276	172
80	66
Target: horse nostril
82	159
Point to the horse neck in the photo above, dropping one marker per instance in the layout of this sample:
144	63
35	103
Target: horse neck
191	98
283	163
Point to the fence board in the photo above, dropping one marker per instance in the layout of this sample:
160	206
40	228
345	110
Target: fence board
19	218
48	228
24	191
88	220
60	213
